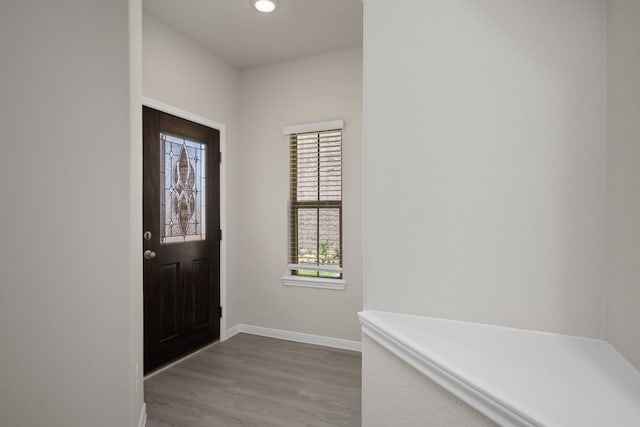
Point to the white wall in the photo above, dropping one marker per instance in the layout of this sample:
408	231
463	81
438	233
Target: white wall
67	264
180	73
623	309
485	161
305	90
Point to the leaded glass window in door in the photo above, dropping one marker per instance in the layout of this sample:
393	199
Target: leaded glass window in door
182	181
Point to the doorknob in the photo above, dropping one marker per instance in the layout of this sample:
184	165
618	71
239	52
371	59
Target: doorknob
148	254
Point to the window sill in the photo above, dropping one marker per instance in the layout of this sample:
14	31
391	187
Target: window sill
314	282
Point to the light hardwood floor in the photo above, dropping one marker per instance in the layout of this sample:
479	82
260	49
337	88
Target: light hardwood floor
250	380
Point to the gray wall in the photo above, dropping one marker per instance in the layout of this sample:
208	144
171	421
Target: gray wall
623	308
515	190
69	298
310	89
395	394
485	161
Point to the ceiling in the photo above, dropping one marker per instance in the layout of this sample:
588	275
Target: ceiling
238	34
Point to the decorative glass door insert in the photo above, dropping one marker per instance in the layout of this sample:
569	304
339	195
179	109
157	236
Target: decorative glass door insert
182	182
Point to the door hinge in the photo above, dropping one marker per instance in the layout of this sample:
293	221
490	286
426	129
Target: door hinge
220	157
220	311
220	234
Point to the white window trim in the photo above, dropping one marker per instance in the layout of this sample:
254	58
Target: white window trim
314	282
304	281
313	127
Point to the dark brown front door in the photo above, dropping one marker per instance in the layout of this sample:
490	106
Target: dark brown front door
181	210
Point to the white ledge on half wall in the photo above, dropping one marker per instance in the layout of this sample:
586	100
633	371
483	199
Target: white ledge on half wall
516	377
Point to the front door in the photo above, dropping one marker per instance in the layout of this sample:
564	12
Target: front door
181	215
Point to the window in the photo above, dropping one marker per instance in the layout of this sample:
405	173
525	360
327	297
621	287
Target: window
182	189
315	206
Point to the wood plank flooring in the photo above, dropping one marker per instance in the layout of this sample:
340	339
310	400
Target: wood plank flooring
250	380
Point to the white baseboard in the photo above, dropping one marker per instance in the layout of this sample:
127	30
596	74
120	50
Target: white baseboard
235	329
142	421
294	336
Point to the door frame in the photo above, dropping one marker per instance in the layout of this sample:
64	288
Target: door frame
166	108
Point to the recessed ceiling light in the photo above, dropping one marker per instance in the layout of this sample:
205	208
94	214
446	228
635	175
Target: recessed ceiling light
265	6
